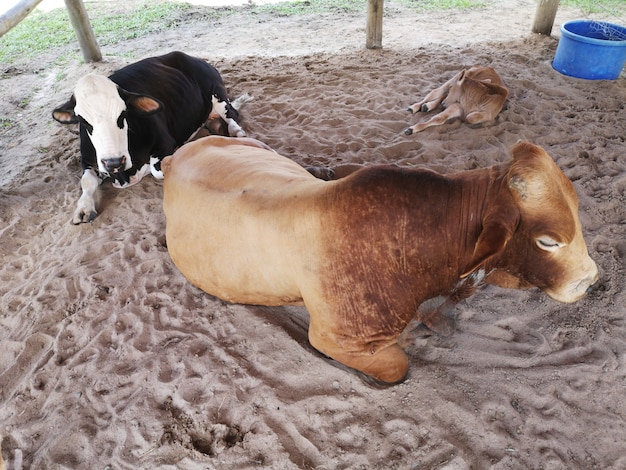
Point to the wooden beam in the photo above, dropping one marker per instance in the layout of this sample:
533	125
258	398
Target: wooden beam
82	28
544	17
374	30
16	14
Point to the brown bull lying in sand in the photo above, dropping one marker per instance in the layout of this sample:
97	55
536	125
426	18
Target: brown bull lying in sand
364	252
475	95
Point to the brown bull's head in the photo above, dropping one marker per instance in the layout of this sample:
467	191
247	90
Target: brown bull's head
535	237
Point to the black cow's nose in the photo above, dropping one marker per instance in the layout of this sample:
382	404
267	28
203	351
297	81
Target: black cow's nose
114	164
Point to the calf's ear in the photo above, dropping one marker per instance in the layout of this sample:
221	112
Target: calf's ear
65	113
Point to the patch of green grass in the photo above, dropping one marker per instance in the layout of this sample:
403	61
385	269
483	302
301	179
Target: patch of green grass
151	17
5	122
610	7
39	32
42	32
431	5
300	7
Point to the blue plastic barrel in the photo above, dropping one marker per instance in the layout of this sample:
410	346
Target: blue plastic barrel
593	50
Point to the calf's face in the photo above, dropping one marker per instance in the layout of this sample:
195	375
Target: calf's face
458	89
103	109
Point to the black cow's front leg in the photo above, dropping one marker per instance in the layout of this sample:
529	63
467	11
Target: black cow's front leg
86	207
164	147
155	167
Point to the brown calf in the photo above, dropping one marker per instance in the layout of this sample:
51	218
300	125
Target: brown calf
475	95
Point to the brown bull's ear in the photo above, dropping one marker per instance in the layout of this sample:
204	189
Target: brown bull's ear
65	113
499	223
492	240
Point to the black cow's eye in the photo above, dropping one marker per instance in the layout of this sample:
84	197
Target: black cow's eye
120	120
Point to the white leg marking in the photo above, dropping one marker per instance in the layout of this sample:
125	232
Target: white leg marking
136	178
234	130
158	174
86	207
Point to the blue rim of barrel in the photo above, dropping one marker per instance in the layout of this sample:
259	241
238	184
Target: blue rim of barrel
603	41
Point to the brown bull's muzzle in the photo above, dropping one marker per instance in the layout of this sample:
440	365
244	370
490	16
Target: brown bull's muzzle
574	289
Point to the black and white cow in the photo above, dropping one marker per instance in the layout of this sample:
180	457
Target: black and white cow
138	115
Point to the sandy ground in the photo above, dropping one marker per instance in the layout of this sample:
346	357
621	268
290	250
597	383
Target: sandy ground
110	359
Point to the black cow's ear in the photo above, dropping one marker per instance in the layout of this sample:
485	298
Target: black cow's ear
65	113
140	104
144	104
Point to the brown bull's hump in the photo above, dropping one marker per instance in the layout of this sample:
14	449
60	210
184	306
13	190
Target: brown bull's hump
378	245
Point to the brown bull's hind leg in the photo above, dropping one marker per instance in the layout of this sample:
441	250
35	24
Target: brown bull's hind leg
385	362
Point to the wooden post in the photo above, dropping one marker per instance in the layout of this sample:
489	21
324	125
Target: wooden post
16	14
544	17
374	29
82	28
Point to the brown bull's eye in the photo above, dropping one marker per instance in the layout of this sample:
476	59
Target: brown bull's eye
548	243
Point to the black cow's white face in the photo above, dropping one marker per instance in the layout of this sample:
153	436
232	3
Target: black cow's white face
106	113
102	111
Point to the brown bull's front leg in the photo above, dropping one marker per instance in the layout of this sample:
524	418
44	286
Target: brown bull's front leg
437	314
383	361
